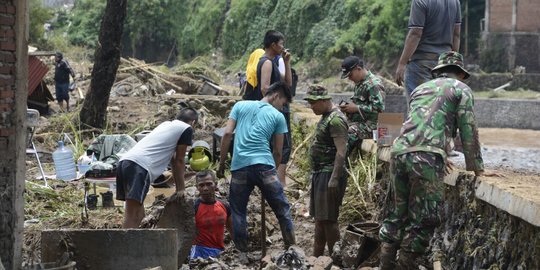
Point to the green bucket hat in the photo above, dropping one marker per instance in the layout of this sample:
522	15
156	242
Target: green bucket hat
451	58
317	92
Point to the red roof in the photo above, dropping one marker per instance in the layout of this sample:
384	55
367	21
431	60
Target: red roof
36	71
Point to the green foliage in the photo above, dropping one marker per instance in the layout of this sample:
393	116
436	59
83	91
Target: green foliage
86	22
322	29
199	34
301	132
374	29
39	15
151	26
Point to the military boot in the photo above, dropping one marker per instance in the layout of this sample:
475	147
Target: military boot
388	256
407	260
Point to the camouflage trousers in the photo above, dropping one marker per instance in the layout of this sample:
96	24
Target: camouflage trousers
417	191
358	132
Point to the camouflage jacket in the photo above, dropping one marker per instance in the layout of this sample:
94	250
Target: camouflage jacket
369	97
437	109
323	151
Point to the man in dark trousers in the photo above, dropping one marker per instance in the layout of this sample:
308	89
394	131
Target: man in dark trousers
434	28
62	71
212	216
256	124
328	177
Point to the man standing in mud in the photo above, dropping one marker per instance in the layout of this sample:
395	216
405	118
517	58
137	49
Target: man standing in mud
438	108
328	177
255	124
367	101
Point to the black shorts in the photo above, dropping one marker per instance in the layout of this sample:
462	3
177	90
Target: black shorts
62	91
322	206
132	181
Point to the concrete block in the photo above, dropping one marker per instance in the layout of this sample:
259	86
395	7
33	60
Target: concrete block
209	88
112	248
505	200
451	178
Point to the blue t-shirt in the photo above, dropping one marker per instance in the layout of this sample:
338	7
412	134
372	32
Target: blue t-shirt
256	122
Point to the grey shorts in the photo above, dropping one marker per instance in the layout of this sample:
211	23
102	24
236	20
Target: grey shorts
322	205
132	181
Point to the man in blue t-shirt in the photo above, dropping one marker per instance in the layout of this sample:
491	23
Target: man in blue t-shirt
255	124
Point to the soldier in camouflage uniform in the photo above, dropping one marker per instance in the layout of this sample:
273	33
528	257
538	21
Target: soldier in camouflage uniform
438	108
367	101
328	177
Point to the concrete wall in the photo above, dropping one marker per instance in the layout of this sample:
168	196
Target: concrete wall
527	19
527	45
476	234
500	113
13	94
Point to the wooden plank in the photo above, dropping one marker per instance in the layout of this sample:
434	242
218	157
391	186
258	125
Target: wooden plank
204	97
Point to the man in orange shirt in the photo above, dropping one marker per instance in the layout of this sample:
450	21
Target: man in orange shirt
211	217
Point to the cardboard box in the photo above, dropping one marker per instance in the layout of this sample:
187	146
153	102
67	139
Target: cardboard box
388	128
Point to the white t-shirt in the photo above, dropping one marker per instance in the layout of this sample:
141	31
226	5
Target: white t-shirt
155	150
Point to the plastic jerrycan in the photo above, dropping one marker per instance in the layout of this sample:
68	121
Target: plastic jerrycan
63	163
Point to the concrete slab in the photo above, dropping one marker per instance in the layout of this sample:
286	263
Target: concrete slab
112	248
518	198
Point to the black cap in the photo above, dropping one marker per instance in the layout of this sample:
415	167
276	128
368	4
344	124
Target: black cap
348	64
59	54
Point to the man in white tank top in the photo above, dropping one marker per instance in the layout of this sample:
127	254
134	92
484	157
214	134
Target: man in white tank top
149	158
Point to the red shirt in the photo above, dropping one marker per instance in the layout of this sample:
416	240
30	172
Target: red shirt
210	220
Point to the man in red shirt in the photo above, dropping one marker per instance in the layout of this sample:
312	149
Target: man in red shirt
211	217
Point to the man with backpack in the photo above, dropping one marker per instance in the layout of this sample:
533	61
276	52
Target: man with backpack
267	74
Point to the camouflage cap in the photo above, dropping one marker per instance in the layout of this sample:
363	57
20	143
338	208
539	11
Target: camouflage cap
317	92
451	58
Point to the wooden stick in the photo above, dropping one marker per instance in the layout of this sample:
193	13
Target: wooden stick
134	67
297	148
263	226
152	71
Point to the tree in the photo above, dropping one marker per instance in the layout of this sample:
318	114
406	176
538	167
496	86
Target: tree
107	58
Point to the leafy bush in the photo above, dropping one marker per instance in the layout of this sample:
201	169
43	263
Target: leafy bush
39	16
86	22
322	29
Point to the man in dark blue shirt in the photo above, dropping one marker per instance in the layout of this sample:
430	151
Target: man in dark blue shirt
62	70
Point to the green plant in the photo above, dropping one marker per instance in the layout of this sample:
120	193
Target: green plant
39	15
358	197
